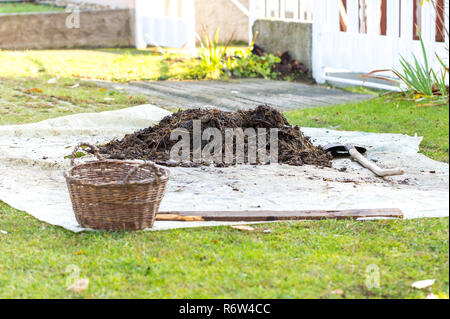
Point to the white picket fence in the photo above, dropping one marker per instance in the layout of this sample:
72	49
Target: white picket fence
165	23
355	51
349	36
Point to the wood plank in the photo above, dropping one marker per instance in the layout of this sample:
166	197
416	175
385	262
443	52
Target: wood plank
271	215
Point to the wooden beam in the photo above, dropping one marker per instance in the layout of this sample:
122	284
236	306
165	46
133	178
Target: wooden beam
271	215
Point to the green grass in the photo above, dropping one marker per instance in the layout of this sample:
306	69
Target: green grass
294	260
392	113
25	100
122	65
26	7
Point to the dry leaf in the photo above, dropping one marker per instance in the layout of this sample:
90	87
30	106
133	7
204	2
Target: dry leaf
243	227
34	90
4	232
423	283
79	285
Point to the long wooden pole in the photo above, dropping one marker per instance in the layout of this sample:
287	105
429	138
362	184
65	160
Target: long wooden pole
272	215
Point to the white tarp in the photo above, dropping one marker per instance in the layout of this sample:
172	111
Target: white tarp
32	164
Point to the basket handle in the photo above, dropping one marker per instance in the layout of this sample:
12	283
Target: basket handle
92	147
152	165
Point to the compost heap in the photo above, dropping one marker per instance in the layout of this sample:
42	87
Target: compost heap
154	143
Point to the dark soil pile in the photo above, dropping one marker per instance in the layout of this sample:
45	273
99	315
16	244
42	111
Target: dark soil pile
154	143
287	66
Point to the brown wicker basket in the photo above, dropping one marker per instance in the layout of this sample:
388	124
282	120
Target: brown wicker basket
113	194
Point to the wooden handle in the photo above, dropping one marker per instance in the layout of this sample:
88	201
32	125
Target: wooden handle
371	165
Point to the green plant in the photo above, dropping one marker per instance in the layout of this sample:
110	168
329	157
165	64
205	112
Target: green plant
212	55
418	77
439	79
246	64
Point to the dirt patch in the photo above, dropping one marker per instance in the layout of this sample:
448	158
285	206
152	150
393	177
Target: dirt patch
287	67
154	143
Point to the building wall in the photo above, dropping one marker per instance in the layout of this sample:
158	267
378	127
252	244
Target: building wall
222	14
103	28
212	14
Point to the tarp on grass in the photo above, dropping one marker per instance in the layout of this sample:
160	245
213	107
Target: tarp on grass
32	164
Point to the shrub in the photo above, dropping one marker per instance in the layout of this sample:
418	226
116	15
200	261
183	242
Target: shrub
248	65
216	63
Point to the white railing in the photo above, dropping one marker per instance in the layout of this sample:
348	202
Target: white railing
165	23
366	35
297	10
300	10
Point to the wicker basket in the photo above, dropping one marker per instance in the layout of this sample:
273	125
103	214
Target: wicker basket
113	194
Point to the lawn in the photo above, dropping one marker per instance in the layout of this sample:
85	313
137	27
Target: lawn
295	260
25	100
26	7
103	64
320	259
391	113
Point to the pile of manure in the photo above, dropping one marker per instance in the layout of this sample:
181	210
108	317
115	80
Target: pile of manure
155	144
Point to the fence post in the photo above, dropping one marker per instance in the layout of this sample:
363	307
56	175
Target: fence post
352	16
429	29
316	53
189	12
406	20
296	9
251	18
373	17
282	9
139	40
392	19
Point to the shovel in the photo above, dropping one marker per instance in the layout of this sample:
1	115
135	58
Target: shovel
355	152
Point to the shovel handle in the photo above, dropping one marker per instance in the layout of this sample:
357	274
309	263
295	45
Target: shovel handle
371	165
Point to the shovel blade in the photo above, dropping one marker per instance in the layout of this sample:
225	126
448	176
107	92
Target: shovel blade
341	149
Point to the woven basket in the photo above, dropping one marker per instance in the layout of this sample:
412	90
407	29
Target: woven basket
113	194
